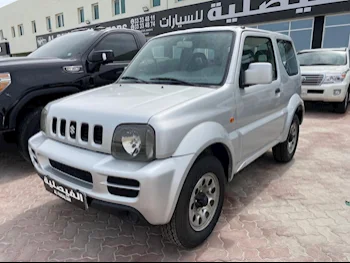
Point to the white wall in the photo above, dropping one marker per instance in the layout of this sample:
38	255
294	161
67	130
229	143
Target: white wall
26	11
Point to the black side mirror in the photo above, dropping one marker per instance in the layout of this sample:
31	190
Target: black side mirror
102	56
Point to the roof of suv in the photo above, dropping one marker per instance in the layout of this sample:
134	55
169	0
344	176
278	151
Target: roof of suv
105	30
224	28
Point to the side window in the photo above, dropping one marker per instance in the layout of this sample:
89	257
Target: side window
258	49
123	45
289	58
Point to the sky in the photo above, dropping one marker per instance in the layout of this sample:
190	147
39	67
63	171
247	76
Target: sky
6	2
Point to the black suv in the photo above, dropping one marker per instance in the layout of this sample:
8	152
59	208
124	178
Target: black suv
75	62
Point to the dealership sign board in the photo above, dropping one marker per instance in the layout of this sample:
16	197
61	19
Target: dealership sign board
219	13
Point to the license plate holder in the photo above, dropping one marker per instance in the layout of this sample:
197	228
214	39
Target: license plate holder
67	194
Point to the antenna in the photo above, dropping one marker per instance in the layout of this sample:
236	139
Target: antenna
79	29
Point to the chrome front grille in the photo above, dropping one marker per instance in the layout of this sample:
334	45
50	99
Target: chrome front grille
71	130
312	79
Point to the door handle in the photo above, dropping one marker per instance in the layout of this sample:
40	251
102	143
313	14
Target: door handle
278	91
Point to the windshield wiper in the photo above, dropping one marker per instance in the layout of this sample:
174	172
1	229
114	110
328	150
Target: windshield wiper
134	78
173	80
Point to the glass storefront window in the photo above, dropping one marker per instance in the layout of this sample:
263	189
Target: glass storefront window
342	34
301	24
299	30
285	33
337	31
275	26
338	20
301	39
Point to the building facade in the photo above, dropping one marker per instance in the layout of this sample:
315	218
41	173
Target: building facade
28	24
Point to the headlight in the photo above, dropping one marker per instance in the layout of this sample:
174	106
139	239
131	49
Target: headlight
334	78
5	81
43	119
134	142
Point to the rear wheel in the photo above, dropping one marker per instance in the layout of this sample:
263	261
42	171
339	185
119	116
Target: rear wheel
199	206
342	107
28	127
284	152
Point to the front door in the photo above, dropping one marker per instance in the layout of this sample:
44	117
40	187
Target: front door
258	118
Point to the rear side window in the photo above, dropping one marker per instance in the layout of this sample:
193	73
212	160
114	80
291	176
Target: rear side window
289	58
123	45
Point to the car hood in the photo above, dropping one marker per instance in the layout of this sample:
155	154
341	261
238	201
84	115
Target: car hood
124	103
322	69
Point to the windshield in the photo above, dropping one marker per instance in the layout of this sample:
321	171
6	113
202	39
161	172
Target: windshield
71	45
320	58
186	59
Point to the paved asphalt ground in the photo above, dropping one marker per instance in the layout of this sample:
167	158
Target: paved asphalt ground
293	212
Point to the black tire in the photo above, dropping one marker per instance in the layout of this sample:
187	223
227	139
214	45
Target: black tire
281	153
179	231
342	107
28	127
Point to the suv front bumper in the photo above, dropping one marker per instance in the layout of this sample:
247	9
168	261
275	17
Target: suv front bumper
159	181
325	92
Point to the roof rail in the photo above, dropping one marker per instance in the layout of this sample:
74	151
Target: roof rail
99	27
79	29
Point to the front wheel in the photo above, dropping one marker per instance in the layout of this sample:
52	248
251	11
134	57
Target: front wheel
199	206
28	127
285	151
342	107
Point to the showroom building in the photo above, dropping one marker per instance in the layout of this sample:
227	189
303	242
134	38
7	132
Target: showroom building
28	24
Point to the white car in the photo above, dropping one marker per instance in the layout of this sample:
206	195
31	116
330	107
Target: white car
192	110
326	76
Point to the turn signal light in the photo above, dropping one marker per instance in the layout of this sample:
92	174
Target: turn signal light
5	81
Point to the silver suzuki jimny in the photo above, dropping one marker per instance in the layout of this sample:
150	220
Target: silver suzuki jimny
192	109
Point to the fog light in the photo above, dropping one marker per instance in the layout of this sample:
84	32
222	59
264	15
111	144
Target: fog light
337	92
